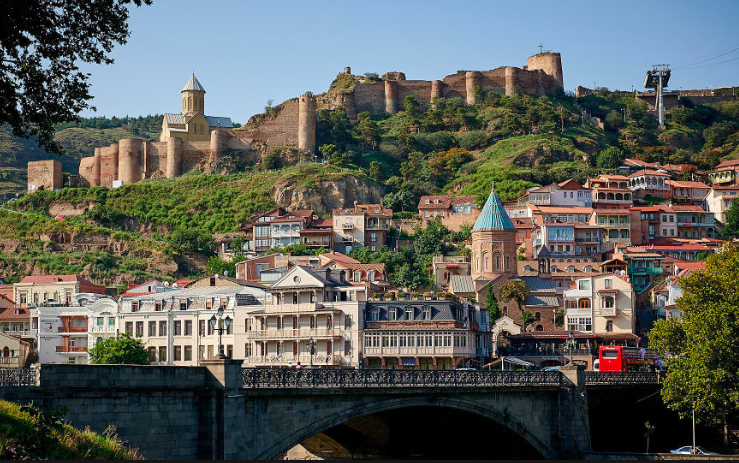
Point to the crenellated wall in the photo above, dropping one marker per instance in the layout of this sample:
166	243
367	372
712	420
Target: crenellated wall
293	123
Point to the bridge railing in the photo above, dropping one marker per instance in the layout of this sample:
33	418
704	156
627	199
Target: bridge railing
262	378
621	378
17	377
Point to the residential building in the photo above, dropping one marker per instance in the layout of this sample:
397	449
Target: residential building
567	193
720	199
445	267
610	192
251	270
645	221
693	222
667	221
176	326
650	183
259	231
319	235
568	240
14	352
569	214
724	174
16	321
600	304
311	316
423	335
682	191
363	225
454	212
66	332
524	227
52	289
616	225
643	267
679	250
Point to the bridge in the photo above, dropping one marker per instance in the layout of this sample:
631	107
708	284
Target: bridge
222	411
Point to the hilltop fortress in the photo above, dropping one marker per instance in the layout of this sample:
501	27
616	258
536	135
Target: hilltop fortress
193	141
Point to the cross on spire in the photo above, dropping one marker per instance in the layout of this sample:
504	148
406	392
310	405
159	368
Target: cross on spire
541	48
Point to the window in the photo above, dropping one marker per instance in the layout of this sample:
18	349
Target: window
373	315
347	347
162	353
248	350
134	306
357	276
177	353
609	327
100	321
579	324
609	302
427	313
188	327
158	306
609	283
183	304
201	352
129	328
583	284
152	328
583	303
162	328
373	236
111	321
177	328
392	313
201	327
139	329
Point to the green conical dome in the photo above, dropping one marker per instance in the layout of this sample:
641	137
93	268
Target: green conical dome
493	216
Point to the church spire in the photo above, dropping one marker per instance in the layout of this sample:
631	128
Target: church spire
493	215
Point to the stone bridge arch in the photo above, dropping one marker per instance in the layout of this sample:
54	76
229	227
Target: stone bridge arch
307	426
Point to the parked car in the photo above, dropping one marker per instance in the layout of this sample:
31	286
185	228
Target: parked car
688	450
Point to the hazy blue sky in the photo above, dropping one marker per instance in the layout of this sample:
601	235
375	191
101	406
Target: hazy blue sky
245	53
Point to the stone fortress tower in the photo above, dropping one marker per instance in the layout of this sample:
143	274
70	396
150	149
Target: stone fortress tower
191	140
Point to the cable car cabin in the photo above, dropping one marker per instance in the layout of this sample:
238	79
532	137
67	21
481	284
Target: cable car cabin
619	358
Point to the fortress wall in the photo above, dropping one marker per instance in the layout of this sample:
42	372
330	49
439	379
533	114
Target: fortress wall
280	131
456	85
550	64
130	155
238	141
492	81
334	100
370	97
218	142
45	175
174	157
193	152
421	89
307	120
156	159
108	164
88	168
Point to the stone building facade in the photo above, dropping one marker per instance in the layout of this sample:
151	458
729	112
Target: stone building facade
45	175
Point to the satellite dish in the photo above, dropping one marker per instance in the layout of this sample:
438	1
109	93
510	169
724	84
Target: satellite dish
216	275
175	285
225	273
166	284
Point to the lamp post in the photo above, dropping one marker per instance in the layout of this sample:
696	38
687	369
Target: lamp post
571	344
311	348
222	325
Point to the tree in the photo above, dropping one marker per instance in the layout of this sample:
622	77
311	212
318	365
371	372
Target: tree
731	228
409	105
515	290
218	266
527	318
368	131
121	350
702	349
648	431
376	172
610	158
559	318
42	44
272	160
192	240
491	303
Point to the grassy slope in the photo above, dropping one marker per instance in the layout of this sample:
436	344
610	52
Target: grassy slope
19	434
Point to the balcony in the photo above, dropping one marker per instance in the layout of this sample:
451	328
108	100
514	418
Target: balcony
395	351
72	329
20	332
578	312
347	226
302	333
71	349
102	329
638	270
574	294
317	244
589	239
377	226
608	311
10	361
293	308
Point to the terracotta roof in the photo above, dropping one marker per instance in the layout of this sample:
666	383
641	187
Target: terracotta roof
523	222
445	202
681	247
648	172
51	279
637	162
323	223
613	177
465	200
688	208
135	294
570	185
287	219
729	163
339	257
182	282
557	334
691	265
618	190
315	231
728	187
612	211
687	184
8	314
141	284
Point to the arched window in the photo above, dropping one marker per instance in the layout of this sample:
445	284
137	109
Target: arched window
505	310
497	262
487	264
537	316
539	328
609	325
583	303
507	263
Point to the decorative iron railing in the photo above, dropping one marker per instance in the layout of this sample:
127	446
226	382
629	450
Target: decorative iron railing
17	377
263	378
621	378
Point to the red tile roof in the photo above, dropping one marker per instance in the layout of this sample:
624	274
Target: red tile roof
681	247
140	284
339	257
690	265
323	223
50	279
445	202
465	200
570	185
688	208
730	163
8	314
648	172
687	184
135	294
182	282
612	211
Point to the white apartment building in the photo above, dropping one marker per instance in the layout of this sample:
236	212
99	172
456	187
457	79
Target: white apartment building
311	317
65	333
175	325
719	200
600	304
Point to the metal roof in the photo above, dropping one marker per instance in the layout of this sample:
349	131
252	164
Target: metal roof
178	119
413	310
205	291
544	301
493	216
215	121
539	285
193	85
461	283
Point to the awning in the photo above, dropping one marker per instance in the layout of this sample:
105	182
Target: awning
518	361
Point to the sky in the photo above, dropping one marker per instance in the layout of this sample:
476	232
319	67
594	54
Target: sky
248	52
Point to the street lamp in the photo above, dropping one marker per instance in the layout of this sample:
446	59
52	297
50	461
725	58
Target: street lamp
223	325
571	344
311	348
